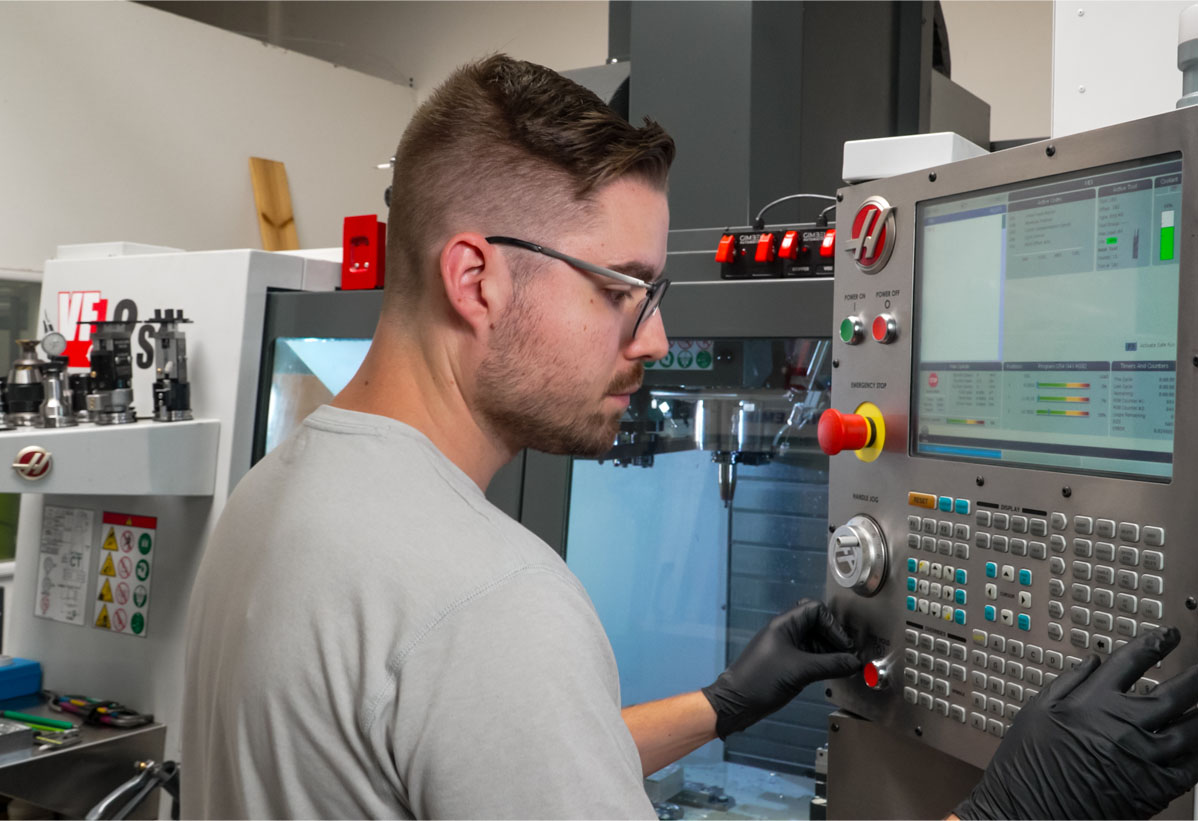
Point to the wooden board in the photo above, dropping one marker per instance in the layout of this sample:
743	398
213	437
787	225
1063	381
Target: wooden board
272	196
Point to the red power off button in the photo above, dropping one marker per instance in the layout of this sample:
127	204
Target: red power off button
885	328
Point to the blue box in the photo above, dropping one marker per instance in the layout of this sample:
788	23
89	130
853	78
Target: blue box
21	677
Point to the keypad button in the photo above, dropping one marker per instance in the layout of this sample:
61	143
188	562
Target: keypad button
1035	654
944	547
1127	579
1038	527
1015	670
957	672
960	550
981	540
925	700
995	728
1151	608
997	664
946	593
998	643
1015	648
1153	585
1145	686
996	685
911	697
1105	528
961	575
1079	593
1101	644
1012	711
1025	599
1154	536
1018	547
1025	577
941	706
959	617
911	657
1104	598
1000	543
992	591
914	524
1083	525
946	504
910	676
989	613
1072	663
945	528
925	661
928	543
1056	565
912	541
929	526
1079	615
937	570
995	706
1007	573
1127	603
940	667
1129	532
960	596
1037	550
1055	631
1057	543
1019	524
1104	574
1153	560
1056	587
911	637
982	517
940	646
1000	521
1059	521
941	688
924	587
925	567
961	531
957	713
1104	621
978	658
1083	548
927	642
1083	571
957	652
934	590
962	507
980	637
1129	556
1104	551
1015	692
991	570
925	681
1034	676
934	609
1056	610
911	602
976	720
978	679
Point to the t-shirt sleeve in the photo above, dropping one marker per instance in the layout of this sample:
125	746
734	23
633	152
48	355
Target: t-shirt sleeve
508	707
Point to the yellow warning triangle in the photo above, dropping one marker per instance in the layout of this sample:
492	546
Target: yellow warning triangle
105	592
102	619
110	540
108	569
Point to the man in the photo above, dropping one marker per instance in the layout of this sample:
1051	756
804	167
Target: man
368	636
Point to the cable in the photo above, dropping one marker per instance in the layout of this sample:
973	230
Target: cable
759	223
822	219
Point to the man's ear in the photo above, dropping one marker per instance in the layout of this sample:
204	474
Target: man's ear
476	279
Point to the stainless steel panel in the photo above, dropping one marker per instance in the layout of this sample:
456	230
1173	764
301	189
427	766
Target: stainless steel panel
882	374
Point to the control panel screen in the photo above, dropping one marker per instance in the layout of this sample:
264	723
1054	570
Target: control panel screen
1046	322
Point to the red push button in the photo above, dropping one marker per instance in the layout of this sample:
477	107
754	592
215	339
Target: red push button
885	328
726	252
789	247
765	248
843	431
876	674
828	246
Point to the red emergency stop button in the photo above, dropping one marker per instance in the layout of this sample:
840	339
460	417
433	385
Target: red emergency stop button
726	252
788	248
765	249
885	328
844	431
828	246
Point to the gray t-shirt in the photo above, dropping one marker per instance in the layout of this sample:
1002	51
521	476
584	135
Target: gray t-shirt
369	637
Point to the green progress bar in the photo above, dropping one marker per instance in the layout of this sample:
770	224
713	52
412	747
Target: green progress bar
1112	240
1166	243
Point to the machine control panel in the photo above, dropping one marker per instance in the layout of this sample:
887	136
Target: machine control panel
1012	426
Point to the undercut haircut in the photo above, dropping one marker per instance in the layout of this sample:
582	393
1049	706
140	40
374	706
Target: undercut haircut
506	147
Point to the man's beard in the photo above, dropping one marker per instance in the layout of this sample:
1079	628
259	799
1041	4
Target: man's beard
528	398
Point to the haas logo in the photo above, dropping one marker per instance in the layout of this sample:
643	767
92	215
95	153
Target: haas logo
32	463
846	559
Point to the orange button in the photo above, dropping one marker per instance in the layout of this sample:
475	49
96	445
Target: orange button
765	248
927	500
789	247
829	244
726	252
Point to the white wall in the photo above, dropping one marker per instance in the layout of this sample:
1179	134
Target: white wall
120	121
1114	61
1002	52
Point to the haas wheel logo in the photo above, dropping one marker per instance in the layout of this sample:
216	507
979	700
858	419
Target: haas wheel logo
871	238
846	558
32	463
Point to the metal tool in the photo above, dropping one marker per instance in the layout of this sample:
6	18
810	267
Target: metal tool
25	392
122	801
56	408
172	391
81	385
4	423
110	401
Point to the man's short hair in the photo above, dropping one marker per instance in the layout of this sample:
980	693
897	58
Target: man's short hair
506	147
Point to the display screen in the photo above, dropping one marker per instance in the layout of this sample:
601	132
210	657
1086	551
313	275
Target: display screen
306	374
1046	322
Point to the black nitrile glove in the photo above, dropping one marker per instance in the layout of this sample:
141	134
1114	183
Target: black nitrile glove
802	645
1086	748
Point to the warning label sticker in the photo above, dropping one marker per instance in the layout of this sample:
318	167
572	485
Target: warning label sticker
126	573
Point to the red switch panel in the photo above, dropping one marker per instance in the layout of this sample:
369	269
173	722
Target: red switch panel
363	253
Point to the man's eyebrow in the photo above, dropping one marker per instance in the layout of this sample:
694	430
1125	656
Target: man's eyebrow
640	270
